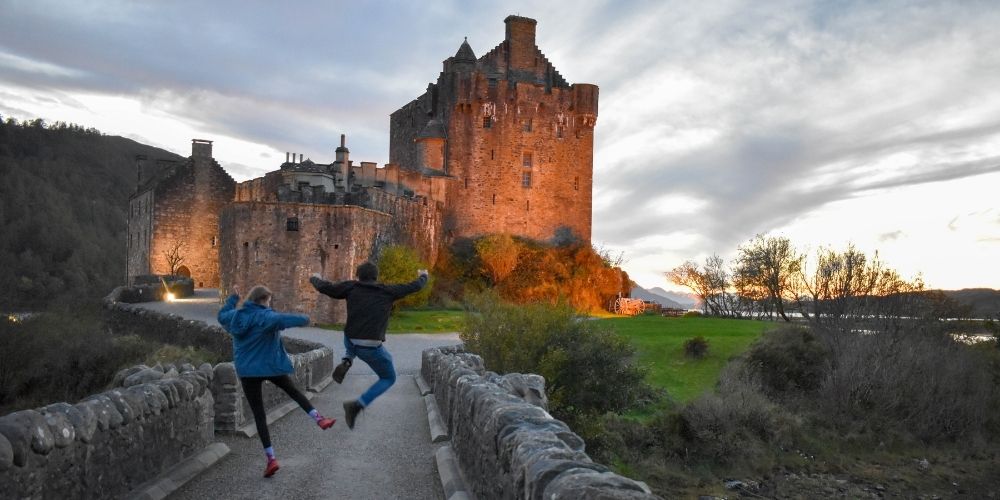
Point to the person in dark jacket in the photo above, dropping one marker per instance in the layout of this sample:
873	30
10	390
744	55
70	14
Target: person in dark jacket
368	306
259	356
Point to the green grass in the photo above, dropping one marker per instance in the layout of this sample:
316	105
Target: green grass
659	343
420	321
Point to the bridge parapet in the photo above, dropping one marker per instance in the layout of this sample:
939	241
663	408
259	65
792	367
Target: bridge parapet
507	444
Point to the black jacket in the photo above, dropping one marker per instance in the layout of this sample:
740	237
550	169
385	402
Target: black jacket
368	303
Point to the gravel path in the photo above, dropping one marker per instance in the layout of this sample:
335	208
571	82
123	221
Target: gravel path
387	455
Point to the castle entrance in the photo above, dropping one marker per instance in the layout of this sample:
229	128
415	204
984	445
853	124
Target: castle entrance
184	271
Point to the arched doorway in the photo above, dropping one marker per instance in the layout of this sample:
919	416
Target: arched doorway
184	271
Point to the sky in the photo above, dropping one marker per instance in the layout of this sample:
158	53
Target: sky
830	123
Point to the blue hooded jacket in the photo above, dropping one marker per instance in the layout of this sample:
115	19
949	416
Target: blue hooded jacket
256	331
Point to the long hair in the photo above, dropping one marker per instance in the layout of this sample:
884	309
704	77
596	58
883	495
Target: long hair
258	294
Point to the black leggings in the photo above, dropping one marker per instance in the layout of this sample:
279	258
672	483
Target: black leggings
252	390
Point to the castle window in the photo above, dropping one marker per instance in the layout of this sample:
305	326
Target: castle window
527	205
292	224
494	198
493	83
492	157
526	179
214	240
527	125
576	183
559	132
466	183
336	246
487	121
526	160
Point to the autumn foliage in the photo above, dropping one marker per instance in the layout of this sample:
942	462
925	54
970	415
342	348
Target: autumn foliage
525	271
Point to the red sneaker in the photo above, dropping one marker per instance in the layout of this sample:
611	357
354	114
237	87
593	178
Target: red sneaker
326	423
272	467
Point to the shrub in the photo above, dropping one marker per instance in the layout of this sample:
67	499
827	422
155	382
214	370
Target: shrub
737	422
588	369
920	383
692	314
788	359
399	264
696	347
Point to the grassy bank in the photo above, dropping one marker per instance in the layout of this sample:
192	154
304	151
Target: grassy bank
660	345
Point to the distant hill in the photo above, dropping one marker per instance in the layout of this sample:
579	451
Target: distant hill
688	300
639	292
984	302
63	200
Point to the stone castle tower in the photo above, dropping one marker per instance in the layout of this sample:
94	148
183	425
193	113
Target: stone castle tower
500	144
516	140
177	210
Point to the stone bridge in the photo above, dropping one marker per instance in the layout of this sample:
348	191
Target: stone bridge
505	443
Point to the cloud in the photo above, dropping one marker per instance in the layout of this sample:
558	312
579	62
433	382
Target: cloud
893	236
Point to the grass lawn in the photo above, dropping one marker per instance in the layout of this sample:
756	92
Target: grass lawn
660	344
420	321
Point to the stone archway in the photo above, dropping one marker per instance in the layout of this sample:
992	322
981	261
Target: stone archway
183	271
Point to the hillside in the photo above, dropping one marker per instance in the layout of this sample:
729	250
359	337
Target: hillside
984	302
639	292
63	199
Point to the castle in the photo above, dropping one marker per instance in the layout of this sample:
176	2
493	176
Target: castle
499	144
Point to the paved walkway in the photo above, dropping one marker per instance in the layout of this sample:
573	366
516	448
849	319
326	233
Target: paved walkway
388	454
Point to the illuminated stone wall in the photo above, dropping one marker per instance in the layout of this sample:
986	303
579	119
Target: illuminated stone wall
257	248
509	115
185	205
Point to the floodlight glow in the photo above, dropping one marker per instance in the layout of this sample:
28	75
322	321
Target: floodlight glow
170	297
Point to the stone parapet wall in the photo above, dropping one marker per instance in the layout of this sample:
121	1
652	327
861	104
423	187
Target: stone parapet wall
313	363
122	319
108	444
507	444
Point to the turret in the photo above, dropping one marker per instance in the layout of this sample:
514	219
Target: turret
342	165
201	148
430	145
520	40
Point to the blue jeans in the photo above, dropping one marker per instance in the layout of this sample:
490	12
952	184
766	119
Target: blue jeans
380	361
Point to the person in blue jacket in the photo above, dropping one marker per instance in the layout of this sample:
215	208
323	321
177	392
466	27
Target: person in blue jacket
259	355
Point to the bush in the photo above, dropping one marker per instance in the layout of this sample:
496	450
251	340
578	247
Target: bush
60	356
588	369
692	314
696	347
399	264
788	360
737	422
921	383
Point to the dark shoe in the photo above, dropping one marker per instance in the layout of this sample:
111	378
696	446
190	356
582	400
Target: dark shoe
341	370
351	411
272	467
326	423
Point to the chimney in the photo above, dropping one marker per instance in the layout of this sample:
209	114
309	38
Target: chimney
286	156
520	40
300	157
201	148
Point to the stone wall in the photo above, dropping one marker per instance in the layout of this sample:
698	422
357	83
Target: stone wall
257	247
107	444
313	363
519	141
507	444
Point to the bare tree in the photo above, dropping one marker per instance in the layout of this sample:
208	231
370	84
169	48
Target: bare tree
499	254
174	256
767	268
688	275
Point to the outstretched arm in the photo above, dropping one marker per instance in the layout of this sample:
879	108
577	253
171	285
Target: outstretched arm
228	310
400	291
284	320
336	290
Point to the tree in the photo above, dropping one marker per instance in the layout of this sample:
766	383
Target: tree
767	268
688	275
174	256
399	264
499	254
